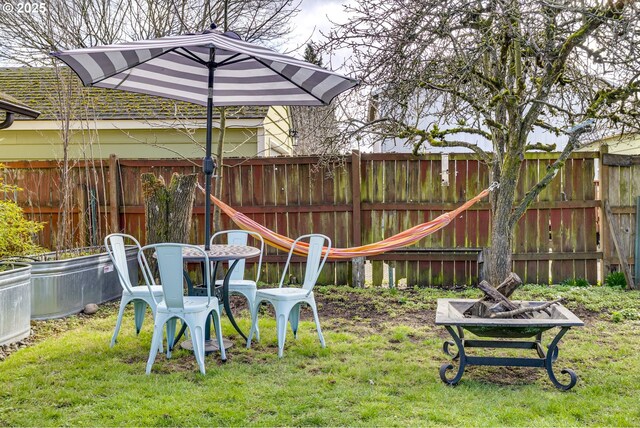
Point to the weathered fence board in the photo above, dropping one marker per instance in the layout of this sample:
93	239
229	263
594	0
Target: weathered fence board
621	188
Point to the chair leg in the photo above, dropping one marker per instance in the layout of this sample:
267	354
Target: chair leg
153	312
216	324
251	299
196	326
312	303
139	307
171	334
156	340
283	309
123	304
294	319
254	321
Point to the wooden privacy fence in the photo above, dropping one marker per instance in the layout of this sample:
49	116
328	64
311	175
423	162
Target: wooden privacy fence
621	188
361	199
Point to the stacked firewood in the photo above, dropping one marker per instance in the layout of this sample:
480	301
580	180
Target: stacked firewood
496	303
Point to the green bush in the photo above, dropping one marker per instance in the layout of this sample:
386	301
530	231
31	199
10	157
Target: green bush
576	282
625	314
615	279
16	233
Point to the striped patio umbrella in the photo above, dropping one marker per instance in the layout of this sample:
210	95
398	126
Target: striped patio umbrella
211	69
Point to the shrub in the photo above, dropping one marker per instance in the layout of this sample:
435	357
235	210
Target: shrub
576	282
625	314
615	279
16	233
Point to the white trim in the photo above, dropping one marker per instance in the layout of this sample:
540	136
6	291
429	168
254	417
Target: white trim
280	149
260	138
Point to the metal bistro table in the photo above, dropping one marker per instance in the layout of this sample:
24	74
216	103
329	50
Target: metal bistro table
217	254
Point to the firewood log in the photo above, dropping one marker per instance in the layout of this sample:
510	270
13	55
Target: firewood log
496	296
526	310
509	285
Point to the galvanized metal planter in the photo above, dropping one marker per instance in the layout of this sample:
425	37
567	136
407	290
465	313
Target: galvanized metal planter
450	314
15	302
63	287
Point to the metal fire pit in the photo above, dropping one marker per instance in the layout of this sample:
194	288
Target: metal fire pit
450	314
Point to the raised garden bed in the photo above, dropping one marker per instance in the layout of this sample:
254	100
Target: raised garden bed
60	287
15	302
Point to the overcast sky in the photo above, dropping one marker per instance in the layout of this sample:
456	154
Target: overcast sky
315	16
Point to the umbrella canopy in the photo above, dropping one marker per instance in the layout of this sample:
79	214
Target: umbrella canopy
176	67
210	68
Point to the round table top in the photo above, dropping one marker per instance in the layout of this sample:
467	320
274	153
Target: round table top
221	252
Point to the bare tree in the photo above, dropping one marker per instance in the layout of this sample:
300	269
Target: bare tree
458	73
55	25
63	97
315	128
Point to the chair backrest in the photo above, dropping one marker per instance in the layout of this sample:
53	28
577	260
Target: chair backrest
171	267
315	258
117	251
240	237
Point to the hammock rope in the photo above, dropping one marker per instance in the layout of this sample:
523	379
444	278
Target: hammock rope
399	240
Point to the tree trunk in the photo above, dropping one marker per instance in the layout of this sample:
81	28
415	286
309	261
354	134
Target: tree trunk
182	193
168	210
155	208
219	170
500	258
501	233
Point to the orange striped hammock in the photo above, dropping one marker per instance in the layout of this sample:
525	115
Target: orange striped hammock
402	239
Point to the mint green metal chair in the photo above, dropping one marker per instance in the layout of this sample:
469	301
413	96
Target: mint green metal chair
192	310
237	283
287	300
140	295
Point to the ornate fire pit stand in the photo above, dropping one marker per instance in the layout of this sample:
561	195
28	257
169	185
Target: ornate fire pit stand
450	314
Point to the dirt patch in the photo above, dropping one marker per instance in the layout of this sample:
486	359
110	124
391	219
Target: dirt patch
587	316
395	309
372	309
505	376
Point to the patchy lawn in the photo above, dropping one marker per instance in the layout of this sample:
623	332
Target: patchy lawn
380	368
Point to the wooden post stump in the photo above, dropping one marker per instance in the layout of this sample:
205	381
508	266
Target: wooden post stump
357	272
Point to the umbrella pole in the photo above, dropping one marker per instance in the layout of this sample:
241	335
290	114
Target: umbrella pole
208	166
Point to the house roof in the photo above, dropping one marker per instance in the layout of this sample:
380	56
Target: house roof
45	89
12	105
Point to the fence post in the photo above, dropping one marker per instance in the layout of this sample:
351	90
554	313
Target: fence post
357	267
605	234
636	253
114	201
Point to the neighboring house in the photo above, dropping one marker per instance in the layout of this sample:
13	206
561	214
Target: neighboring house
12	108
628	144
399	145
102	122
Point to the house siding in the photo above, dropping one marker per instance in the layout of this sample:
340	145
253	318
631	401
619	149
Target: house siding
129	143
621	145
277	124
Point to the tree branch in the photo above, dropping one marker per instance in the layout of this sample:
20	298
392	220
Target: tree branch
558	65
436	142
541	146
437	133
552	171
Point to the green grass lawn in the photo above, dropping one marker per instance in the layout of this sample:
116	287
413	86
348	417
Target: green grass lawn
380	368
